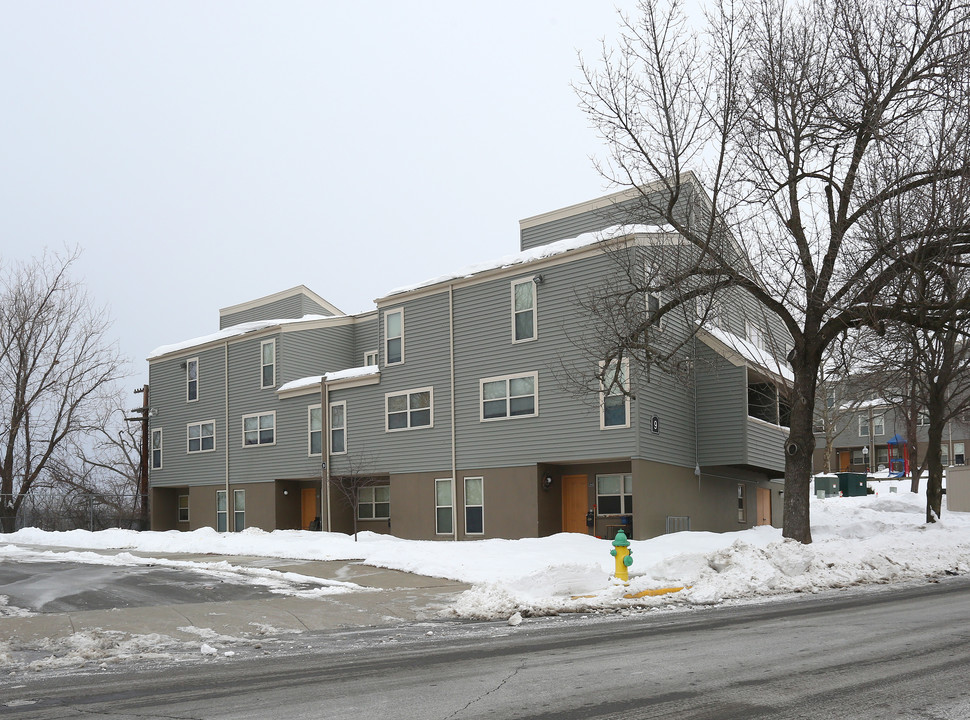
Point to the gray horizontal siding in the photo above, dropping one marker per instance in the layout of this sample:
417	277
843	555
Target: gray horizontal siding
295	306
315	351
721	409
366	338
766	445
167	380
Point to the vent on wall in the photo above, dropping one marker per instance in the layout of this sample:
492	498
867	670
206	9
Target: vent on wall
677	523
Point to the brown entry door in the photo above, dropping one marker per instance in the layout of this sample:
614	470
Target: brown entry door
844	457
764	506
574	503
308	507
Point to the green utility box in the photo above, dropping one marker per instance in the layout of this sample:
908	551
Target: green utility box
852	484
828	484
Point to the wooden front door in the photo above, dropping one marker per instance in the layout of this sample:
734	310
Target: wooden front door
844	457
764	506
308	507
575	503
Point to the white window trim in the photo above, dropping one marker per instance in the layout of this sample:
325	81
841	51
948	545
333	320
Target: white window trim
178	509
742	503
200	450
225	512
392	312
596	493
535	314
331	428
437	506
409	393
754	334
374	503
861	420
371	358
465	501
235	495
257	415
878	425
197	383
660	303
160	448
309	430
508	410
263	366
625	363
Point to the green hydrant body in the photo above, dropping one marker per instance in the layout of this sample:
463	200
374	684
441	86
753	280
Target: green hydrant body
621	551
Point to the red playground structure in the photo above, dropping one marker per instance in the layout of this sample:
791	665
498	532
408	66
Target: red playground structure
898	456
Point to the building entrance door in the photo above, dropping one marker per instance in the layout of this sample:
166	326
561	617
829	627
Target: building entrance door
574	503
764	506
844	457
308	508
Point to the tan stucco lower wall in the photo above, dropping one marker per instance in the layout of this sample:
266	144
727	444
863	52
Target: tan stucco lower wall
711	501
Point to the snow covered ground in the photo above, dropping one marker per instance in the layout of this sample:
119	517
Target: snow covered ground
876	539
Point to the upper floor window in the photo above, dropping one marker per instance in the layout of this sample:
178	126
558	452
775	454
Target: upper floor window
259	429
314	430
863	426
523	310
654	302
370	358
338	428
879	425
410	409
754	334
268	358
509	396
201	436
615	408
394	336
192	380
922	418
157	449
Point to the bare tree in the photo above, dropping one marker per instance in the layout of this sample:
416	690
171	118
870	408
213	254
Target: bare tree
838	398
807	124
357	475
57	366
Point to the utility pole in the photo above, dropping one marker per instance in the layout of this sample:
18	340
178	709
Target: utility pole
143	414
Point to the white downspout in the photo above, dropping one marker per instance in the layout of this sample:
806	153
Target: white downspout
229	522
325	447
454	453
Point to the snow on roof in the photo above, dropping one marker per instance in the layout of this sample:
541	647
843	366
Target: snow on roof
752	353
538	253
230	332
312	380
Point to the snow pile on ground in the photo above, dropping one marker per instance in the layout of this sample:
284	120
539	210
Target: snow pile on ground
857	540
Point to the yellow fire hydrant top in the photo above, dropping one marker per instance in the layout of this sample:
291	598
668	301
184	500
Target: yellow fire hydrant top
621	551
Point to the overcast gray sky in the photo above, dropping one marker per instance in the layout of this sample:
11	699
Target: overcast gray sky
207	153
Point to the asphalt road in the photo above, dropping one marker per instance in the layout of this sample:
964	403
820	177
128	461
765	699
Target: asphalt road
889	653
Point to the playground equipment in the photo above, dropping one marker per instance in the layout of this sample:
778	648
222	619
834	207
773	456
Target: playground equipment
898	456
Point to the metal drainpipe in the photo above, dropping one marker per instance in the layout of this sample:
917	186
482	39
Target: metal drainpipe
229	522
325	447
454	460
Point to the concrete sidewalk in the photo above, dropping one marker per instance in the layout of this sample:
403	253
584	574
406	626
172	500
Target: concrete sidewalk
388	598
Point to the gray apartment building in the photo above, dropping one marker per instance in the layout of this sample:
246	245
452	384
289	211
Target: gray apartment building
445	406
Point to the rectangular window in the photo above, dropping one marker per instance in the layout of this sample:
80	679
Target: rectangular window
314	430
863	426
192	380
222	513
858	457
509	396
754	334
615	400
202	436
882	456
922	418
654	301
474	506
267	350
157	449
411	409
259	429
741	513
183	511
959	458
370	358
614	494
394	337
879	425
338	428
238	510
523	310
944	455
443	507
374	502
830	398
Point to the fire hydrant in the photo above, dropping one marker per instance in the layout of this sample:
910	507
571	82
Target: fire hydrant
621	551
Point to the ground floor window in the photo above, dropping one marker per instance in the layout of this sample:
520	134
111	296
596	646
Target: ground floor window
238	510
959	458
944	455
443	507
183	511
474	506
374	502
741	513
222	511
614	494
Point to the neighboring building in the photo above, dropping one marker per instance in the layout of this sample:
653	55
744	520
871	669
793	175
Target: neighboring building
863	435
446	399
